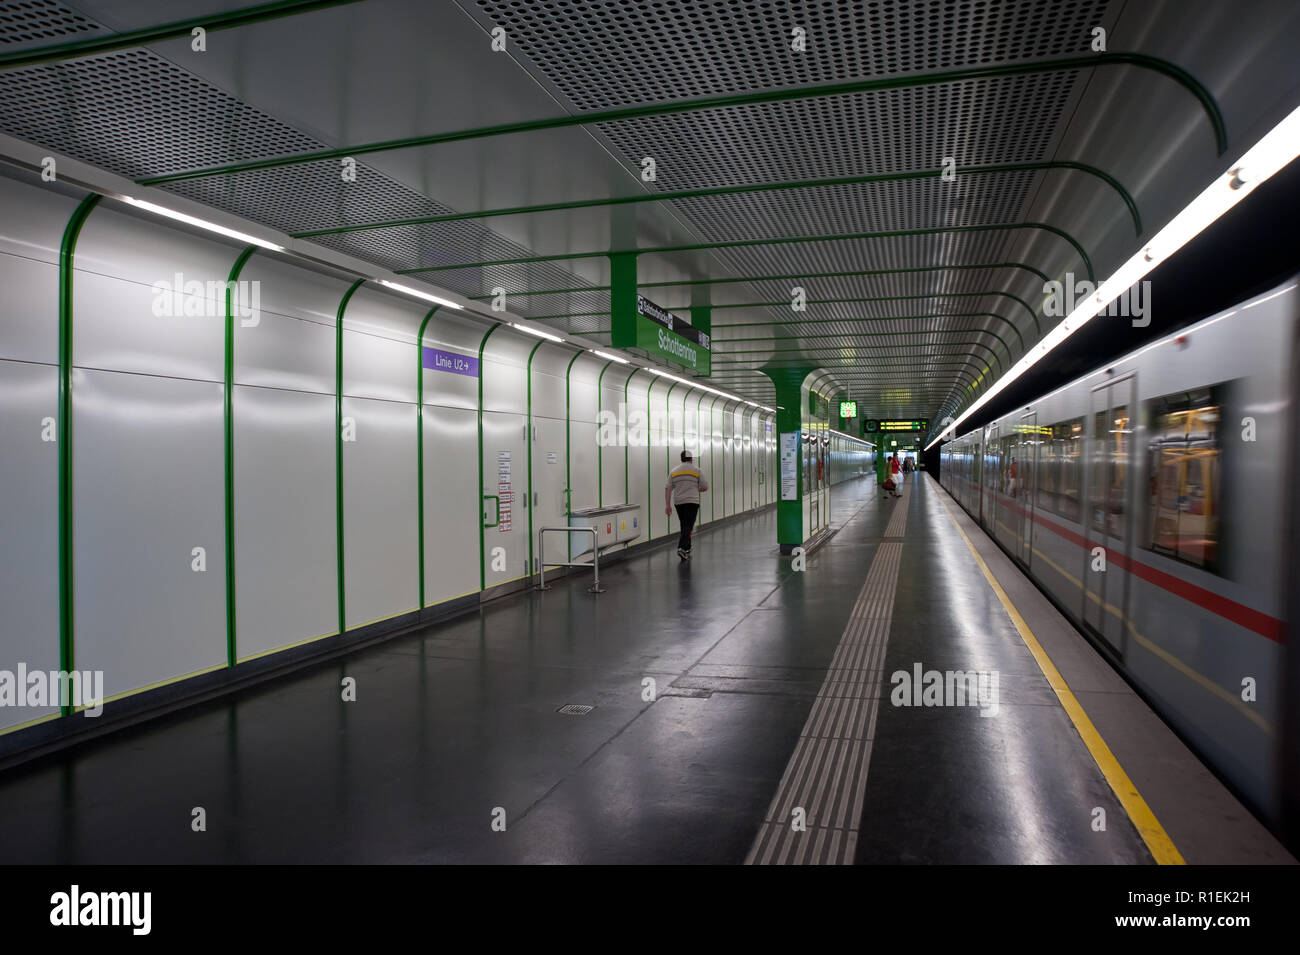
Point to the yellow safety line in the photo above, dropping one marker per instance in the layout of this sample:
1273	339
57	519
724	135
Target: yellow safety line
1139	813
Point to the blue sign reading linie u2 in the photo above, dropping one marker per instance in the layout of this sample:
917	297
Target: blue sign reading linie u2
440	360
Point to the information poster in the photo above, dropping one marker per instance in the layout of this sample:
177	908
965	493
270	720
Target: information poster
789	465
504	491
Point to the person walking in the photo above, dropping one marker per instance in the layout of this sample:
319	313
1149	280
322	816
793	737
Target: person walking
896	472
683	488
882	472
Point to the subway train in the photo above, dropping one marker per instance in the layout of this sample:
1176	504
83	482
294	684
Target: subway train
1149	501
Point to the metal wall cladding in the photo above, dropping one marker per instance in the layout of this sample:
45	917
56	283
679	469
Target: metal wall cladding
29	542
290	342
451	527
149	596
286	577
149	300
379	503
147	491
378	346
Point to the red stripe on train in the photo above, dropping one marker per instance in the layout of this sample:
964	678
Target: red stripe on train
1238	613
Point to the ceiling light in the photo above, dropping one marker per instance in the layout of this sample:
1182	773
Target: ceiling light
445	302
540	334
621	361
201	223
1279	146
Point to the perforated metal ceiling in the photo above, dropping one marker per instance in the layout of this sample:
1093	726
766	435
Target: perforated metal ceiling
900	337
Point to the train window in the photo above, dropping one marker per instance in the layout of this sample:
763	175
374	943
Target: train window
1113	432
1067	439
1184	476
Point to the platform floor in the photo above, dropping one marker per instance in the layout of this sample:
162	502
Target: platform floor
771	736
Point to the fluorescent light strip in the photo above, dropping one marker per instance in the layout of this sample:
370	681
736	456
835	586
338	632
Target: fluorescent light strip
532	331
1279	146
621	361
201	223
713	391
445	302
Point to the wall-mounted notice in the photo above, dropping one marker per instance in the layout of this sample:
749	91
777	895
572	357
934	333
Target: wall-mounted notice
504	491
789	465
440	360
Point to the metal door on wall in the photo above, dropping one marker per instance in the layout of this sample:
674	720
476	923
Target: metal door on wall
549	490
505	498
1108	513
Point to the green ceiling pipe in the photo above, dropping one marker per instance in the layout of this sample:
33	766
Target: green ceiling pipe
717	191
780	240
593	117
94	46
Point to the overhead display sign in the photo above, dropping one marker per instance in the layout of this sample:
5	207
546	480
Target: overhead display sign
921	425
659	332
848	409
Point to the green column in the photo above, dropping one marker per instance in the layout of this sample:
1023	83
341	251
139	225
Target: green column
789	514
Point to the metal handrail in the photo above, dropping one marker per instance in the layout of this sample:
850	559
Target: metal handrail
595	587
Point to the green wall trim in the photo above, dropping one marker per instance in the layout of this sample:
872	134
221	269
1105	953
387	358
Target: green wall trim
627	444
568	459
338	449
228	426
600	451
709	191
419	440
776	240
168	31
529	501
986	71
478	493
668	435
67	252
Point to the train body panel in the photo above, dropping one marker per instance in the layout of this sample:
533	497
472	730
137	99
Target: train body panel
1146	499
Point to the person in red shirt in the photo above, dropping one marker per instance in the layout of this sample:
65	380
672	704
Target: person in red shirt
896	472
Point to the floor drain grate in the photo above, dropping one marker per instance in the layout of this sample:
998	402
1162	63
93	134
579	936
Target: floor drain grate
575	709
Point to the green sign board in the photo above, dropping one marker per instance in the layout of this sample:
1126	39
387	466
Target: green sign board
921	425
662	334
848	409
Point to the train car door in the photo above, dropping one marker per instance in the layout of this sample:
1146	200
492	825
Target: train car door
1026	485
1109	512
989	487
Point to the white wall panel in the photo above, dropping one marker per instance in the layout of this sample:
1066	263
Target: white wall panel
29	526
116	329
451	504
379	357
291	345
119	259
379	511
504	370
34	220
147	489
286	575
29	309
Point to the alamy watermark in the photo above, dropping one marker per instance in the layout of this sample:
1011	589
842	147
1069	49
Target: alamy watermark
638	429
38	688
179	298
1064	297
919	687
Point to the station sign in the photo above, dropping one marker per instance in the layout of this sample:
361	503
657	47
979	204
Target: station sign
659	332
922	424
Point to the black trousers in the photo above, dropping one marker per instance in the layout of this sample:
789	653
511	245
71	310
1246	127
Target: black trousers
686	514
